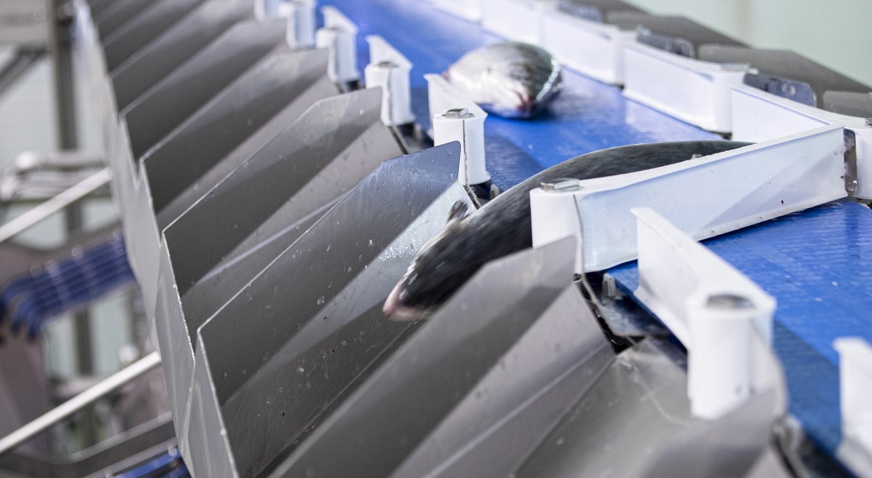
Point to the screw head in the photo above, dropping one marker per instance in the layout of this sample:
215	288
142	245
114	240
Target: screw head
729	302
458	113
868	121
560	185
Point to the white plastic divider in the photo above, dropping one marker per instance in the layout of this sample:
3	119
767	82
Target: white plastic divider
855	371
389	69
468	9
691	90
518	20
721	316
457	118
301	22
266	9
595	49
339	35
703	197
761	116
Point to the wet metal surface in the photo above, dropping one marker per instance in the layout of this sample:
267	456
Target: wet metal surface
238	121
260	208
154	61
309	328
143	28
459	362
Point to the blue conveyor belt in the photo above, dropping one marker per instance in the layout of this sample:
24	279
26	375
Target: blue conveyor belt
587	116
818	265
815	263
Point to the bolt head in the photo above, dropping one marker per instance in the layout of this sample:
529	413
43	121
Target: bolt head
729	302
458	113
560	185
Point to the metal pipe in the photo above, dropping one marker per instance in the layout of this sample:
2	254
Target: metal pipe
55	204
80	401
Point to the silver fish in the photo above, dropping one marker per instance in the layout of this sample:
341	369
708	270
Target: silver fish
509	79
503	226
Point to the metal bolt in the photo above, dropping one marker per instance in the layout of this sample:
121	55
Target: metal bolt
729	302
560	185
868	121
458	113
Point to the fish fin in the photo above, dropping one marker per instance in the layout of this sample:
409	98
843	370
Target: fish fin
458	211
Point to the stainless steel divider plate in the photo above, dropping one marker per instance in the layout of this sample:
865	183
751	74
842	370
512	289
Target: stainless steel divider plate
309	328
461	360
173	99
157	59
237	122
117	14
143	28
260	209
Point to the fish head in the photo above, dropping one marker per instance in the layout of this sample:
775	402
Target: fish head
435	274
509	79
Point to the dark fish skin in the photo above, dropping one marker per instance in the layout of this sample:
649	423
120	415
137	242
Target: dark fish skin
502	226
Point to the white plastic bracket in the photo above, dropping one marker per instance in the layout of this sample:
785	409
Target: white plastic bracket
518	20
762	116
704	197
339	35
692	90
855	370
468	9
266	9
389	69
301	22
722	317
595	49
457	118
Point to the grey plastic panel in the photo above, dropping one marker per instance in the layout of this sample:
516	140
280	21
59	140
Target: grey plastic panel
308	330
261	207
151	63
453	363
596	10
670	31
153	21
786	64
848	103
237	122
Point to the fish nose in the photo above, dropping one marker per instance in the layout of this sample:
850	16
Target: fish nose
392	303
